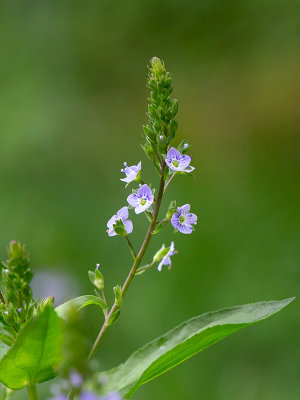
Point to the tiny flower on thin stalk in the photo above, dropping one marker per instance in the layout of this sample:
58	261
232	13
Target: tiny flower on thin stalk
121	215
141	200
132	172
178	162
183	220
166	260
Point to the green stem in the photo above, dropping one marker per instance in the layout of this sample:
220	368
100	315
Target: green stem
145	267
131	248
169	181
7	394
136	263
32	392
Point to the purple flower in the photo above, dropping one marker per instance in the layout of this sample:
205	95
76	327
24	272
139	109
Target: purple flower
122	214
88	396
76	379
166	260
112	396
131	172
60	397
183	220
177	161
141	200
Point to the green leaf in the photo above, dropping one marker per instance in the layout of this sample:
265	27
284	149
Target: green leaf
78	303
114	316
36	353
118	295
183	342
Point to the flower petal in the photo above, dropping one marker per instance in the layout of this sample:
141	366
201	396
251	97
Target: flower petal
172	249
123	213
133	200
189	169
141	208
191	219
128	226
173	154
175	220
160	265
145	191
128	179
111	232
184	162
185	228
170	165
183	210
111	221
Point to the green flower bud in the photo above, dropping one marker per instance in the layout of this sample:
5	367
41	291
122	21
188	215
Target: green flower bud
96	279
160	253
118	295
172	209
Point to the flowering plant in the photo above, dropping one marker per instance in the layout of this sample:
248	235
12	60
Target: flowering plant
40	342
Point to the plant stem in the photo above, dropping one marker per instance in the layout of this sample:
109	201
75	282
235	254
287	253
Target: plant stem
136	263
169	181
145	267
32	392
6	394
131	248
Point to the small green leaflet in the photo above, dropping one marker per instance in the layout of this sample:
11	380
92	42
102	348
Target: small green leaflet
78	303
181	343
36	353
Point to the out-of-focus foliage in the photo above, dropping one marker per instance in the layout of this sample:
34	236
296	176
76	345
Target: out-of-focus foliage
36	354
73	102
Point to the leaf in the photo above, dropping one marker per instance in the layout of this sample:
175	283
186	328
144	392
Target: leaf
36	353
114	316
78	303
181	343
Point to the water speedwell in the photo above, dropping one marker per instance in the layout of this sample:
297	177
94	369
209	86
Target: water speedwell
141	200
121	215
33	330
183	220
132	173
178	162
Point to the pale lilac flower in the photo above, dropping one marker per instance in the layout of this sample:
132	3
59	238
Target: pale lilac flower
88	396
177	161
131	172
60	397
123	215
141	200
76	379
112	396
185	146
166	260
183	220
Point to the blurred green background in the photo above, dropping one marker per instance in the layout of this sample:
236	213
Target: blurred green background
73	102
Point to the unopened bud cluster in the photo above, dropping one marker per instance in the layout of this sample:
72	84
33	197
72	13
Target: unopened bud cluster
161	128
17	305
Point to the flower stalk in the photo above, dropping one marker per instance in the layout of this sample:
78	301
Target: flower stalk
136	263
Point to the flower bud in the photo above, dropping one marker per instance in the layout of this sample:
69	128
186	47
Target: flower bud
171	210
118	295
96	279
160	253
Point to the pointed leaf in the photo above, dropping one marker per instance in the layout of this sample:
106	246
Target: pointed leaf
78	303
36	353
183	342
